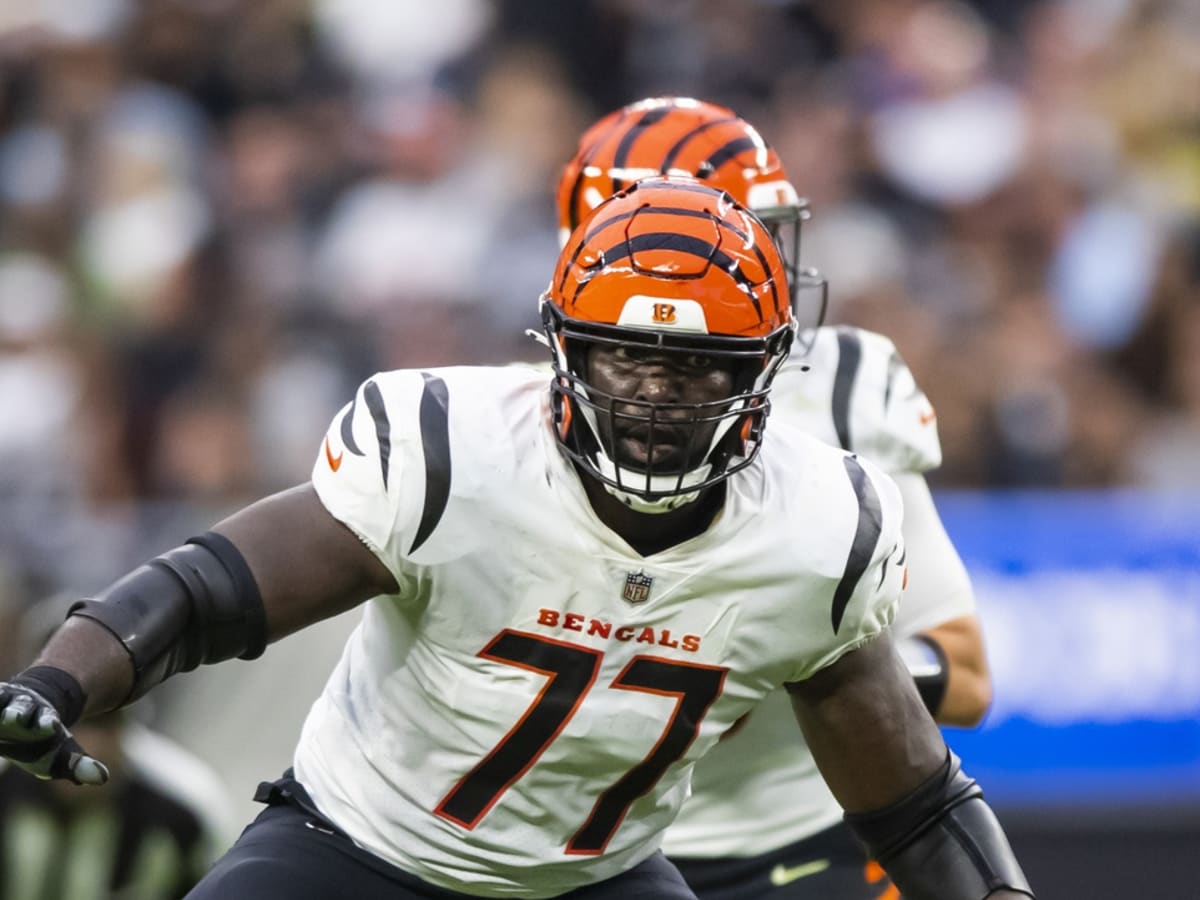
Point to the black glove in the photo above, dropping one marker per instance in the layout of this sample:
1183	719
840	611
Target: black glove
34	709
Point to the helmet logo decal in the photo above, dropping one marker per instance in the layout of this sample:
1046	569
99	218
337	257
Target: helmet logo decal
637	587
641	311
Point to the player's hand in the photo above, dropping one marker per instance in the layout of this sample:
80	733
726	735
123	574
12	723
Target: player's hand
33	736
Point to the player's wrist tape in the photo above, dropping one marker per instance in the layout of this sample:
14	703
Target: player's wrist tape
195	604
57	687
942	841
927	664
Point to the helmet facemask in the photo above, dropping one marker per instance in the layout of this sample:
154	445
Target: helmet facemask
712	440
808	288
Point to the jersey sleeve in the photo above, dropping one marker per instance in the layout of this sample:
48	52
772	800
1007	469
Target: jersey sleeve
377	469
939	588
867	594
890	420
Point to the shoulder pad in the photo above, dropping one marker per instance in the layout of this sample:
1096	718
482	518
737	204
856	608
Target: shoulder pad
878	408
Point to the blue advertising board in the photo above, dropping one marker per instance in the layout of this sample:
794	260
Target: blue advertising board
1090	604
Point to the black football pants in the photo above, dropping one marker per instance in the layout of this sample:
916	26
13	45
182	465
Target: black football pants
290	852
830	865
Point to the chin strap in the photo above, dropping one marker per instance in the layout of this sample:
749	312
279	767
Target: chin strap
640	504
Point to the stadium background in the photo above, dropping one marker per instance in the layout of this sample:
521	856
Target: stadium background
217	216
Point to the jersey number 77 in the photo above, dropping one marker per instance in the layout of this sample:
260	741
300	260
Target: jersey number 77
571	671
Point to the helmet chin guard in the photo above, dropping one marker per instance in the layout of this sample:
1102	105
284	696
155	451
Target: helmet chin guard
661	499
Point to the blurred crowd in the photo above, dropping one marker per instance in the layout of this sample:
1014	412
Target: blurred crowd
217	216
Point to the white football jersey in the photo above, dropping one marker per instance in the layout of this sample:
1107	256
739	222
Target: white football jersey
522	717
760	789
852	390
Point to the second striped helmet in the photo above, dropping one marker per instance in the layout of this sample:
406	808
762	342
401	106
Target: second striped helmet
684	136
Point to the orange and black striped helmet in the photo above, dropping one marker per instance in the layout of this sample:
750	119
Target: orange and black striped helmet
667	266
680	135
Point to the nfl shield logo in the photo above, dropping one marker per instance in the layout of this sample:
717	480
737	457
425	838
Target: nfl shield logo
637	587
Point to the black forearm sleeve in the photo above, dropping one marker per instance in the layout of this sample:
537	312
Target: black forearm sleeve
942	842
195	604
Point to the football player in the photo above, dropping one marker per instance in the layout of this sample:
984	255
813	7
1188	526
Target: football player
578	587
761	821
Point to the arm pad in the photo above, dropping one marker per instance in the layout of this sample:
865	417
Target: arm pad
195	604
942	841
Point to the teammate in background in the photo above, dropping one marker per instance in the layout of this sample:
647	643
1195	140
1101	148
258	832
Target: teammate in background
578	588
150	834
761	822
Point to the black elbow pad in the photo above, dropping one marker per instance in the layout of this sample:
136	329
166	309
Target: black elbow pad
195	604
942	842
